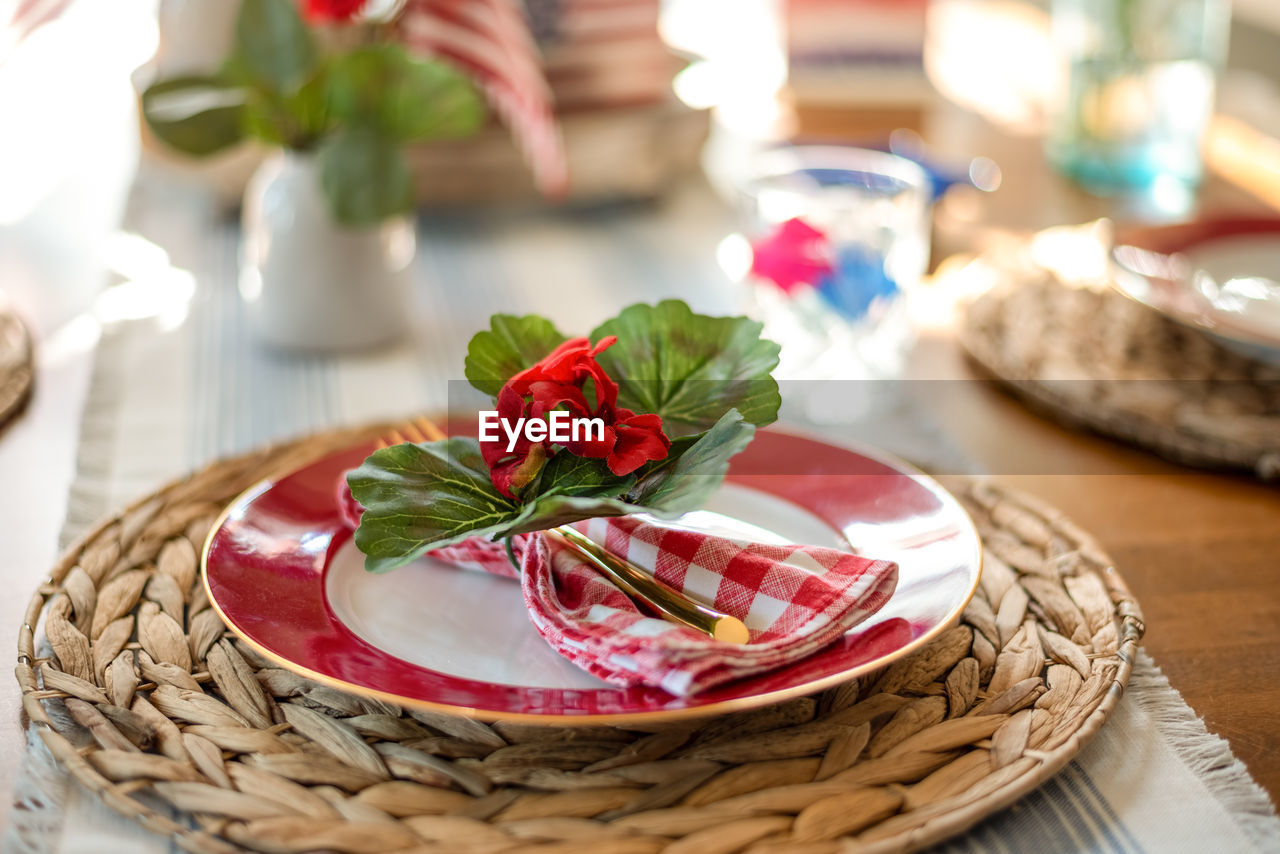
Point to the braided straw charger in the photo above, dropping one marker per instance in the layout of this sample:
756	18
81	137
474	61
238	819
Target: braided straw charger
1086	355
151	704
17	373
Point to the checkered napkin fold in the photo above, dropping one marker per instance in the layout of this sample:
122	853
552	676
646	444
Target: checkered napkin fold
794	600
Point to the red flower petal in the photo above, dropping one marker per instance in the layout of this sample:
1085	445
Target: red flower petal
640	439
511	408
594	448
558	382
514	474
556	366
551	395
331	11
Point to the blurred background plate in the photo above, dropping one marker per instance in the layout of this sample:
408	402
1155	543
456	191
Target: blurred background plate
1217	275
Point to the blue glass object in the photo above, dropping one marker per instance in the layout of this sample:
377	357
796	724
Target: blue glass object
942	176
1139	90
858	280
876	183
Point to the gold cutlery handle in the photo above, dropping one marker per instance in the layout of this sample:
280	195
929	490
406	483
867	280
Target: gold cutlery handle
666	600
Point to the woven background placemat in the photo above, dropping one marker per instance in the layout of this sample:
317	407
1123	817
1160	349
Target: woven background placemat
141	692
1088	356
17	372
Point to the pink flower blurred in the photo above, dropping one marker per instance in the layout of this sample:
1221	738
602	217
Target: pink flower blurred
794	254
335	11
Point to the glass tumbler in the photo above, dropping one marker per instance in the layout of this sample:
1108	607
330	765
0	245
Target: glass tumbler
834	241
1138	90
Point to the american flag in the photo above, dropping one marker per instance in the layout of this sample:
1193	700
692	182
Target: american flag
490	40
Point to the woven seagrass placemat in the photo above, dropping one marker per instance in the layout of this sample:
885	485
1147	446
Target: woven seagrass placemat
17	372
149	702
1086	355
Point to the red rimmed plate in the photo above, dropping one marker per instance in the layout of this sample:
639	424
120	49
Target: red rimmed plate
283	573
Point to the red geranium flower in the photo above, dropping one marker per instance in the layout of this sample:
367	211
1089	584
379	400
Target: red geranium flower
512	470
570	379
639	439
562	376
331	11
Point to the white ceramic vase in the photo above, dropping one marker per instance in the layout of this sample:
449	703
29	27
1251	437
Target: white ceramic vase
310	282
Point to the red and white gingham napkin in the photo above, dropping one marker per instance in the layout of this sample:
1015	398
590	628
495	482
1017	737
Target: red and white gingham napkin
794	600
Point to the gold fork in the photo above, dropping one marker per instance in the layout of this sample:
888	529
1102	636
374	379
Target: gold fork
670	603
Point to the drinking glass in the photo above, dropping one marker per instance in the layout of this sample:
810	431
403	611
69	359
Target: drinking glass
834	242
1139	87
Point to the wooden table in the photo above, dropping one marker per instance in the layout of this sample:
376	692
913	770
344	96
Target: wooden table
1200	551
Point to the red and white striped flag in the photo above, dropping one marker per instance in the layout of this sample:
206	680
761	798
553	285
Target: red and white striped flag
491	42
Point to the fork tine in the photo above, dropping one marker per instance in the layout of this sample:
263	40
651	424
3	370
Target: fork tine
416	431
428	427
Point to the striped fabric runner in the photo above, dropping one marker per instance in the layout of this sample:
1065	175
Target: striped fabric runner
168	397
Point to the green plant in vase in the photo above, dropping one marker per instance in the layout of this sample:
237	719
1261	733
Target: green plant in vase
328	241
336	88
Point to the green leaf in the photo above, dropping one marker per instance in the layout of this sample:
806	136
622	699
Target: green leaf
423	497
690	474
405	99
265	120
549	511
195	115
431	101
510	345
420	497
694	468
294	120
364	177
273	45
689	368
309	108
567	474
